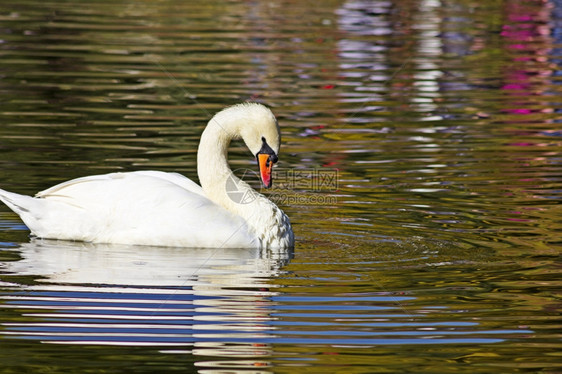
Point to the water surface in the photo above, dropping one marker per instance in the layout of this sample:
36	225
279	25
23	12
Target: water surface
428	240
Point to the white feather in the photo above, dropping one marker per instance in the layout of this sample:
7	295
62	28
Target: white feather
166	209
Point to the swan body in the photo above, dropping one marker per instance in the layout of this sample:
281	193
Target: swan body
168	209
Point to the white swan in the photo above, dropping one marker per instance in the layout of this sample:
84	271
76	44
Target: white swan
168	209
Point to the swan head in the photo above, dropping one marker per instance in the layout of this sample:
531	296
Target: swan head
258	128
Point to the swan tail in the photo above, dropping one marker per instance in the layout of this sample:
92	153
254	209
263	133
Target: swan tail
22	205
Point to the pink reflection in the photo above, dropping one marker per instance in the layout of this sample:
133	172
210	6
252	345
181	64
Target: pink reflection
526	37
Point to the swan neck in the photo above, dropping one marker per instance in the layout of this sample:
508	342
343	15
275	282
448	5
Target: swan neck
217	180
212	159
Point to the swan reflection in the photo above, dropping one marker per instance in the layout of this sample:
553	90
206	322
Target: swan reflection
89	263
206	301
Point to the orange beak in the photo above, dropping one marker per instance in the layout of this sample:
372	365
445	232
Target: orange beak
266	166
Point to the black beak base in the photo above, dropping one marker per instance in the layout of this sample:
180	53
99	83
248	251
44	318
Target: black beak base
266	150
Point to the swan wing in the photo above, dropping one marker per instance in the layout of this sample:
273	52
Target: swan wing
174	178
147	207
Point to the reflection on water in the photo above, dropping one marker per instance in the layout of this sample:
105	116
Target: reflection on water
89	263
438	251
213	302
225	303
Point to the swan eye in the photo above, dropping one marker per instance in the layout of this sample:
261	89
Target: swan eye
274	158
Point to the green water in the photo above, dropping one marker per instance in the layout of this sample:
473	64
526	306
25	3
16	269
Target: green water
431	245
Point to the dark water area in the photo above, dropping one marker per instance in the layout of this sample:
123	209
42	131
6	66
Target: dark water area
420	166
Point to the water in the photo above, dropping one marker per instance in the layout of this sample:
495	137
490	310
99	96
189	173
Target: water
432	244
